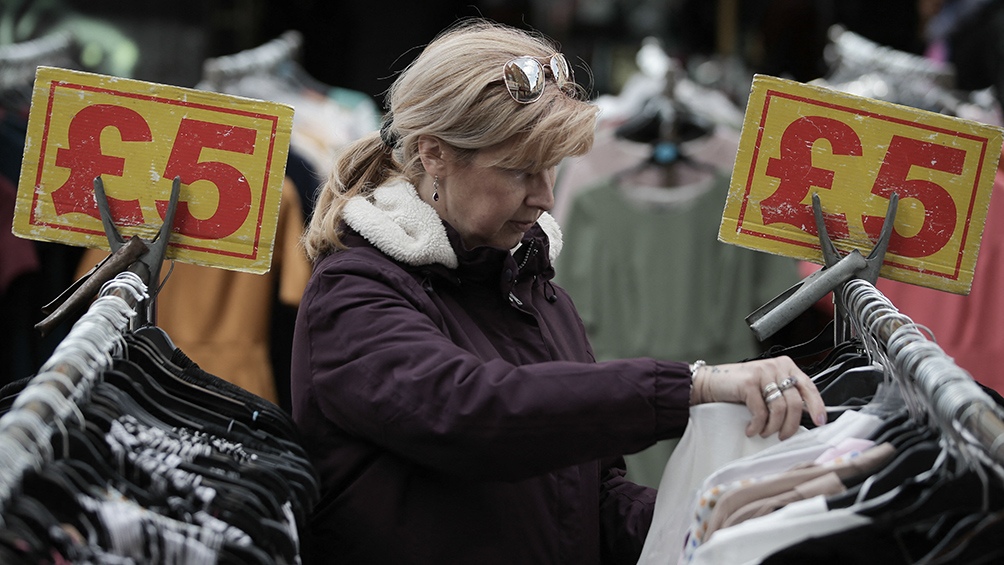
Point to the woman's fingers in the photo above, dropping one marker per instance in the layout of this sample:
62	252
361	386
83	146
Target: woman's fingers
792	399
784	392
812	400
775	391
756	402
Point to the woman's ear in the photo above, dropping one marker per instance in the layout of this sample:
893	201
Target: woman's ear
430	150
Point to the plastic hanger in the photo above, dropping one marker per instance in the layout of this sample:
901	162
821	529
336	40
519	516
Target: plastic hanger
910	463
165	409
148	358
856	384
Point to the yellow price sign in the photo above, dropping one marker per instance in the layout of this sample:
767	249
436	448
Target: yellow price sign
798	140
230	153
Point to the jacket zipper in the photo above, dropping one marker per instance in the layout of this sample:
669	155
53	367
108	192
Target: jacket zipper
528	255
530	252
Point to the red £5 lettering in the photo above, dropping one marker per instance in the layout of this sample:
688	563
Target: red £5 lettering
940	212
234	192
797	174
86	161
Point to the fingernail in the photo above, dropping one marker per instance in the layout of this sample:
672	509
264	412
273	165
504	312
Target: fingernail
820	419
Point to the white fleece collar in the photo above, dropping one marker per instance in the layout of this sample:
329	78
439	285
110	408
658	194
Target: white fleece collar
399	223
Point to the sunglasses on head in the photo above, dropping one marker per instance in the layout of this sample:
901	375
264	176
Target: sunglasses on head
524	77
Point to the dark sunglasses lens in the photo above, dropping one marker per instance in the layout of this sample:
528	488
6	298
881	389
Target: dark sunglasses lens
524	77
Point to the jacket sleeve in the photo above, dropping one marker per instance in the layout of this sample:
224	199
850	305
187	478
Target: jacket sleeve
626	511
378	367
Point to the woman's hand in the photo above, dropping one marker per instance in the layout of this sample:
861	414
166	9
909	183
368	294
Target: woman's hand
775	390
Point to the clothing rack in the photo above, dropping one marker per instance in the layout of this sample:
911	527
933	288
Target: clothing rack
856	54
19	60
265	57
51	396
120	435
868	69
933	385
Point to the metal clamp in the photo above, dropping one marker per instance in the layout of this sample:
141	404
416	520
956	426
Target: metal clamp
784	308
140	256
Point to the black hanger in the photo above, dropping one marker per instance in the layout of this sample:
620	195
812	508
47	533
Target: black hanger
57	492
840	364
274	456
893	426
850	349
856	384
906	466
237	505
224	408
959	492
974	540
664	124
265	415
26	532
13	550
661	118
90	466
133	379
158	338
817	345
168	410
10	391
160	368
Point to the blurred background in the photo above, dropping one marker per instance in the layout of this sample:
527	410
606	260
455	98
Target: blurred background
359	45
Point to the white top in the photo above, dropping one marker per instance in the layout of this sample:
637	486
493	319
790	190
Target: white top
715	436
751	541
714	450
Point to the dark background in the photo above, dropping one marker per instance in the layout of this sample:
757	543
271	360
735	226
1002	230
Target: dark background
359	44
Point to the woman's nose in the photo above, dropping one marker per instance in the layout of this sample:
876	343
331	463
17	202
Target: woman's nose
541	190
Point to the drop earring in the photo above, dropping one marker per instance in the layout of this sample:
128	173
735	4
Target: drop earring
435	188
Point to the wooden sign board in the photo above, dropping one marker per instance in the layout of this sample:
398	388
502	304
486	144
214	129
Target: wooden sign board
230	153
854	152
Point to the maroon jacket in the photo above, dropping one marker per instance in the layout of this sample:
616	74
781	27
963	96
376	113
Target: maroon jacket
456	414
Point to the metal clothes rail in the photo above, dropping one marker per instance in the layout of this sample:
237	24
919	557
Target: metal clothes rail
49	402
936	389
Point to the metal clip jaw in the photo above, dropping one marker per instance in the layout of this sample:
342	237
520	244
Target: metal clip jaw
871	268
147	266
143	257
784	308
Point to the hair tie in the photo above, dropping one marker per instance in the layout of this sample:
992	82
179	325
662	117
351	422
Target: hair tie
389	138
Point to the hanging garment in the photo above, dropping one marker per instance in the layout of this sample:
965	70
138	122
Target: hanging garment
163	463
222	319
713	438
746	498
935	494
736	459
650	278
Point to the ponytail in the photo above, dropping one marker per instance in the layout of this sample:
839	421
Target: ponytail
361	167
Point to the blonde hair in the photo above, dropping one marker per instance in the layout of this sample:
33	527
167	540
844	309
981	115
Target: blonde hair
454	91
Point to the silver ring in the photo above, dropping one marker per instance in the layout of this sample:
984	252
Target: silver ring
787	383
769	390
773	396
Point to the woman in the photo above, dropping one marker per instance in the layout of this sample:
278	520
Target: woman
444	387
